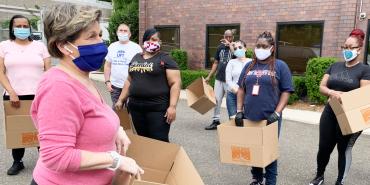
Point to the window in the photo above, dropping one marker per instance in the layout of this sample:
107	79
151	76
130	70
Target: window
367	54
170	36
214	34
298	42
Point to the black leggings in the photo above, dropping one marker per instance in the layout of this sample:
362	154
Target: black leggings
149	120
18	153
331	135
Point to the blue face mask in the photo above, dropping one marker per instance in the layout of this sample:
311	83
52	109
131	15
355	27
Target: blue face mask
22	33
349	55
239	53
91	56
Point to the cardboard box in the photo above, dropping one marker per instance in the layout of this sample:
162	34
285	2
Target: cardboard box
164	163
255	144
20	132
125	119
200	96
353	114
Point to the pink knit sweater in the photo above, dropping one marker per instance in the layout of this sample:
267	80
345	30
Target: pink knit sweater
69	119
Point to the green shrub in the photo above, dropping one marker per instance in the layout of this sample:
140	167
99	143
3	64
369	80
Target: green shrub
315	70
249	53
293	98
181	57
127	12
299	84
300	90
188	76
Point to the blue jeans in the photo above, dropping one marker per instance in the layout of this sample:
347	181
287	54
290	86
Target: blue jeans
270	170
231	103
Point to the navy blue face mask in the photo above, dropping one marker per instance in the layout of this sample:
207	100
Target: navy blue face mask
91	56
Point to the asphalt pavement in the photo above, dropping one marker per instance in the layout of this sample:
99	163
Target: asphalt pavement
297	162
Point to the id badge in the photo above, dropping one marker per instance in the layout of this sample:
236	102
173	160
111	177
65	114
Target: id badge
255	90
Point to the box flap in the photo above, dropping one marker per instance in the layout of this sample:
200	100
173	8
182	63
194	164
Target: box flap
183	171
124	118
249	123
203	105
336	106
153	154
208	91
356	98
154	175
24	109
194	91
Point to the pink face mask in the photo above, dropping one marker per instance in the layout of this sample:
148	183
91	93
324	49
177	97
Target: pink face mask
151	47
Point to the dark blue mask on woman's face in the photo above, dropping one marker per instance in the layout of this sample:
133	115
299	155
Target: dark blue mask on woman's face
91	56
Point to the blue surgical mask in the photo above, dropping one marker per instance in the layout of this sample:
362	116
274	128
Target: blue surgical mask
91	56
239	53
22	33
349	55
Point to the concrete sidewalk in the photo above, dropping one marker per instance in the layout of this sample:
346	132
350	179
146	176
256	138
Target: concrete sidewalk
302	116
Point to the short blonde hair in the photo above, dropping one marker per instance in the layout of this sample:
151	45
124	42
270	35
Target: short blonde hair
65	22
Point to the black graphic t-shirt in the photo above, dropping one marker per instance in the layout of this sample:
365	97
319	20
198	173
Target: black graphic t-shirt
344	78
149	80
223	55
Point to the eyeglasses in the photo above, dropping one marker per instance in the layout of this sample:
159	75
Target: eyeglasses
349	47
258	46
240	47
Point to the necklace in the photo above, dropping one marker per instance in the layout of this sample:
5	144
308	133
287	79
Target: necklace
346	64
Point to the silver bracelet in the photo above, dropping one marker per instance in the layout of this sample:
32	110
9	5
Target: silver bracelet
116	160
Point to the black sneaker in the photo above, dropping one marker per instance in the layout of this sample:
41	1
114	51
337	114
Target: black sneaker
16	168
317	181
256	182
213	125
339	183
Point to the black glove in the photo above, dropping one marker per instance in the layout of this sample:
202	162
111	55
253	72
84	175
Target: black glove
239	119
273	118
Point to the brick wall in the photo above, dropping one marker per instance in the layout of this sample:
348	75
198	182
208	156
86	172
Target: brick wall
253	16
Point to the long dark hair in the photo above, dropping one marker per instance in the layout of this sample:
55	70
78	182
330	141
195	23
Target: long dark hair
11	24
270	39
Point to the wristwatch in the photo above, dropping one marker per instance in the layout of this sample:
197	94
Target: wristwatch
116	160
108	81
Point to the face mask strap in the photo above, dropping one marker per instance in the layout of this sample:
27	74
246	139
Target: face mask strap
69	50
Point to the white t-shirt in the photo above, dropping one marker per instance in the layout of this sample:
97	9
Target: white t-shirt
120	55
233	69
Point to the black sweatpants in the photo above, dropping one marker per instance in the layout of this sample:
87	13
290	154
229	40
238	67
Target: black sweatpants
331	135
149	120
18	153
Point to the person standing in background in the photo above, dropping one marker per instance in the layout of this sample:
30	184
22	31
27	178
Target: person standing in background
22	63
153	88
233	70
118	59
223	55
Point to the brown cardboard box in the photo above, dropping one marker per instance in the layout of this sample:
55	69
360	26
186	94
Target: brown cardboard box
125	119
255	144
353	114
164	163
200	96
20	131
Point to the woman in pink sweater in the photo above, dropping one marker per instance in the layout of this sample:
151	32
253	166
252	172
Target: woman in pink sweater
80	138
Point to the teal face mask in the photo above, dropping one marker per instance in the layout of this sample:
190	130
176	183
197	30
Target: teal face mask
22	33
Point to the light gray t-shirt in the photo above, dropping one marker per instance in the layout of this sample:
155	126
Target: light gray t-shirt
120	56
